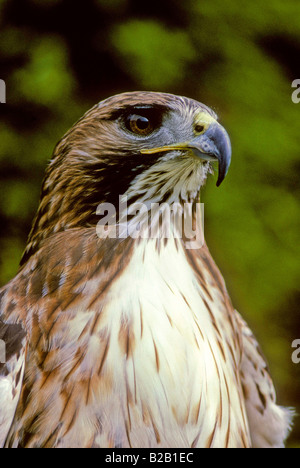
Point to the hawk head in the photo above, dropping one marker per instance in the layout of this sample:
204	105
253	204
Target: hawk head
150	146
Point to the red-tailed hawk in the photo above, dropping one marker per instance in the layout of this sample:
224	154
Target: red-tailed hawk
130	340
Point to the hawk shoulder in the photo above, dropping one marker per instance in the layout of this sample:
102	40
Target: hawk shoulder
12	361
269	423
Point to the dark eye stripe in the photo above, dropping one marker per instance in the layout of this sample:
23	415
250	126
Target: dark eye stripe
153	112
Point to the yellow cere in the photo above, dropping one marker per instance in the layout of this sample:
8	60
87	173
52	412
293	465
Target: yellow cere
203	119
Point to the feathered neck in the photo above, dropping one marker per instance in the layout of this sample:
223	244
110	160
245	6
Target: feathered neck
77	187
161	203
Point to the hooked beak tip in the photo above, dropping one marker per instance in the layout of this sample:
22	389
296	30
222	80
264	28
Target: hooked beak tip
221	148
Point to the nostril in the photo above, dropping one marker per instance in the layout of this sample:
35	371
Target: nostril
199	128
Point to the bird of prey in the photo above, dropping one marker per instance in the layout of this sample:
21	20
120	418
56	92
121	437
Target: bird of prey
130	340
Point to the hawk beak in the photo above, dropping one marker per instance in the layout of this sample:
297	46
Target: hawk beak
212	145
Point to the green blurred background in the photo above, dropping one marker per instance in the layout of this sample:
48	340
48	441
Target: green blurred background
60	57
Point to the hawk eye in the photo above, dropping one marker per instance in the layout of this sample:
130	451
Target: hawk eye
139	124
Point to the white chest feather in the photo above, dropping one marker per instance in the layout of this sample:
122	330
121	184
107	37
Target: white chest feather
175	375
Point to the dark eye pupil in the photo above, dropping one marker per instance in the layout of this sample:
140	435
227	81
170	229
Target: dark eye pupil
139	124
142	123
